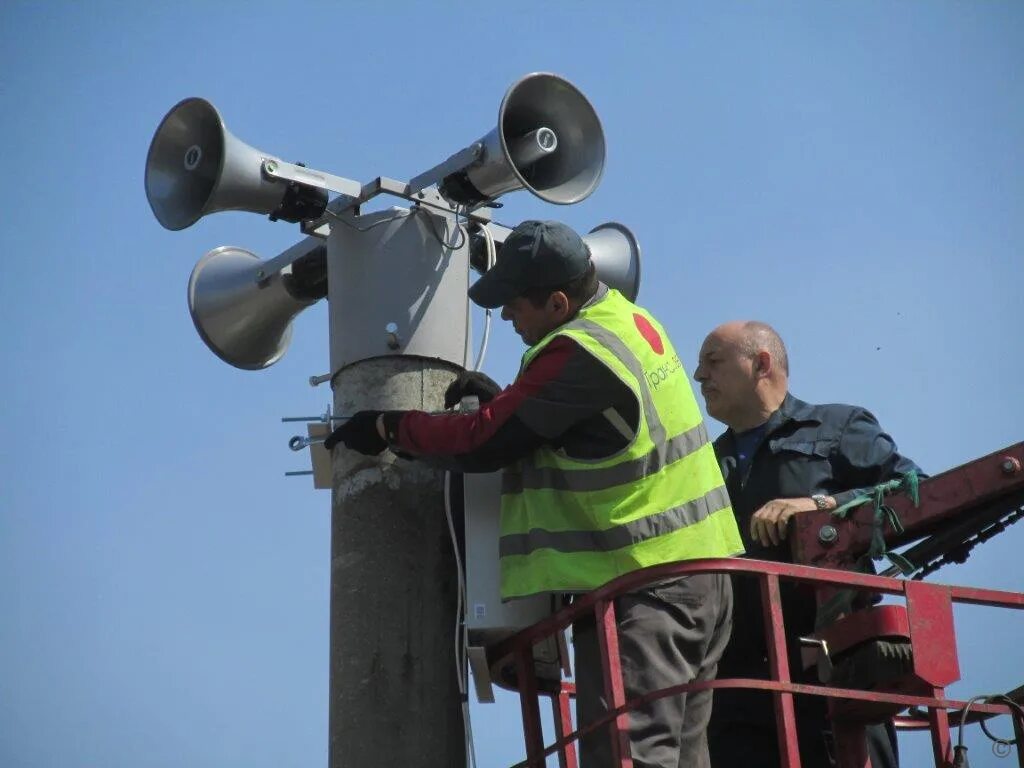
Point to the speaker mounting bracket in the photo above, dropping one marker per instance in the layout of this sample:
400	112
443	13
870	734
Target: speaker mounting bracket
456	162
280	170
287	257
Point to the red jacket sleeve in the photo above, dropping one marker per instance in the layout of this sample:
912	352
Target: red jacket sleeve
445	434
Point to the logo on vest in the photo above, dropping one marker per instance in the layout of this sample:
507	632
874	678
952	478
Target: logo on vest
657	376
650	335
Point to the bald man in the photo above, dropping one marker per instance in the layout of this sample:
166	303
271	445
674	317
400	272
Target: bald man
780	457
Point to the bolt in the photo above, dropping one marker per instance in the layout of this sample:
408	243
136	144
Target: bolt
391	336
828	534
271	166
192	157
1010	465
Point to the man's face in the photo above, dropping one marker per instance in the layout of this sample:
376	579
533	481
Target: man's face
727	377
531	322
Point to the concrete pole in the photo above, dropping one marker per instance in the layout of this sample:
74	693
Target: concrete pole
394	698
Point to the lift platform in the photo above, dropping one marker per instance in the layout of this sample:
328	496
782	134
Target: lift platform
876	662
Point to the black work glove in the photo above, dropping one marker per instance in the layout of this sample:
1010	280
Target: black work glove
359	433
470	383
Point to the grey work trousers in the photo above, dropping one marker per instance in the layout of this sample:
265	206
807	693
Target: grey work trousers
669	634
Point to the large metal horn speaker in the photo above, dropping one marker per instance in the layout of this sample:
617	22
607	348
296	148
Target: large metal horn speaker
616	256
196	167
548	140
244	317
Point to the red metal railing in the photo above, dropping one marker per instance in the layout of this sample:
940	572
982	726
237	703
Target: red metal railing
929	625
962	500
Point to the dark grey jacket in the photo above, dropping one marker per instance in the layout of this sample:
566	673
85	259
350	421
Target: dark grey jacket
836	450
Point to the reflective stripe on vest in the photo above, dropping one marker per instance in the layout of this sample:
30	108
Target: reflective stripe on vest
620	535
587	479
571	525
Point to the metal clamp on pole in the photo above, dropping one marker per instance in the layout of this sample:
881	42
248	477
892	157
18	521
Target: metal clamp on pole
319	428
297	443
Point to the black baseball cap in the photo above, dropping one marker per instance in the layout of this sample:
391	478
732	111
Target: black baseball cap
537	254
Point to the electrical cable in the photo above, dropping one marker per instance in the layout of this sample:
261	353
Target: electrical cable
461	635
350	225
433	229
400	214
1000	746
492	252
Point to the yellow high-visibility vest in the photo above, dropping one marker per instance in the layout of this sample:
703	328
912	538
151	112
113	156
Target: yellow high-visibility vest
570	525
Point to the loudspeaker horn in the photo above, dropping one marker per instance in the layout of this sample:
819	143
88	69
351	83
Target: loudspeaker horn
548	140
196	167
616	256
243	316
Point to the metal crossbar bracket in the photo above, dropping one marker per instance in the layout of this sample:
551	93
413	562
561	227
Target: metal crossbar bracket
382	185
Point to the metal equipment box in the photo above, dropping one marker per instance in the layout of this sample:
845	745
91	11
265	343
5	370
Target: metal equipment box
488	618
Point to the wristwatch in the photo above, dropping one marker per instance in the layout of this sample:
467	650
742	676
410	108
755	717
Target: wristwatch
821	501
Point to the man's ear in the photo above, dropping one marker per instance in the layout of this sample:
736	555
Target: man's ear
559	302
763	363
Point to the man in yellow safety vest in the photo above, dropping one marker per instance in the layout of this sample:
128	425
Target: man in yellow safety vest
607	469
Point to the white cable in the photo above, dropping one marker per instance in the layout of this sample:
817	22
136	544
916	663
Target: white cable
341	219
459	229
461	634
491	258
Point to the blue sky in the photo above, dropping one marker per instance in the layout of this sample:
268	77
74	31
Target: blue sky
850	172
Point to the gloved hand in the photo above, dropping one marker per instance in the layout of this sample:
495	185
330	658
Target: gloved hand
359	433
471	383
